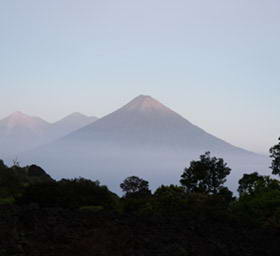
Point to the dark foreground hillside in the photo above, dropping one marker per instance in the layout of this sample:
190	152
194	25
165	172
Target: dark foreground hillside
40	216
54	231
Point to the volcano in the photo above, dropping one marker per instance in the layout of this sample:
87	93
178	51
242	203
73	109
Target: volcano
143	138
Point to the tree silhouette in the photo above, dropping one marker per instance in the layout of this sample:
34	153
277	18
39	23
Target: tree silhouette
248	183
206	175
134	185
2	165
251	184
275	155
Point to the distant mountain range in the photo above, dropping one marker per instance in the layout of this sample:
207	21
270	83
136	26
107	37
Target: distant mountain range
20	132
143	138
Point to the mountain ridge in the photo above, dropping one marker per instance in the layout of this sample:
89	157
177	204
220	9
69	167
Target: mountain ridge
68	124
20	132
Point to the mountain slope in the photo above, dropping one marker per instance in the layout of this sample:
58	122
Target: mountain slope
145	122
143	138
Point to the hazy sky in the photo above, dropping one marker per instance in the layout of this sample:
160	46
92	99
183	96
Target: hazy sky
214	62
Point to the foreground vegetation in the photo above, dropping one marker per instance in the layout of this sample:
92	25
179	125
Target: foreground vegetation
41	216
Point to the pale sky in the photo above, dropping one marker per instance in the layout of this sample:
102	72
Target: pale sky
214	62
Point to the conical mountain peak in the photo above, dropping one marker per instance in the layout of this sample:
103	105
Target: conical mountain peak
18	114
145	103
18	118
76	114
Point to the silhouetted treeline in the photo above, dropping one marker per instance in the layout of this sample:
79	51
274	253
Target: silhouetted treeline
15	180
201	199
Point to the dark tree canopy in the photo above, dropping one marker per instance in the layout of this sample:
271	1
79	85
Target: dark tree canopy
226	194
206	175
135	185
248	183
14	179
170	200
10	183
2	165
37	175
275	155
251	184
34	170
68	193
170	191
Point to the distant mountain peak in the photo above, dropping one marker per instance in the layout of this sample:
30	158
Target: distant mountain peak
76	114
77	117
18	118
145	103
73	117
69	124
17	114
